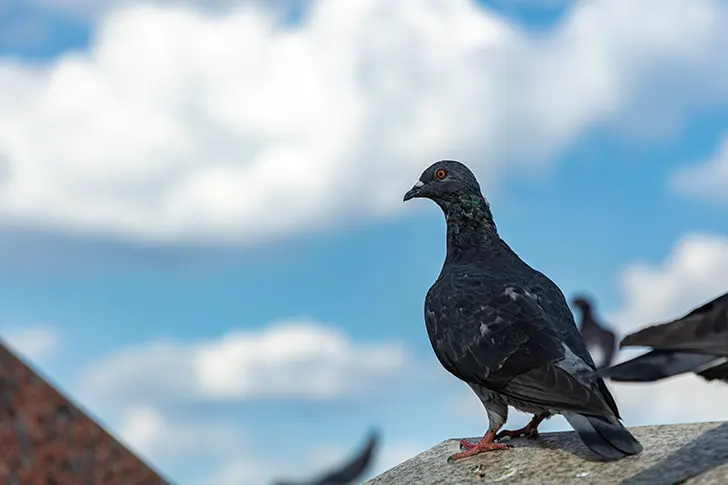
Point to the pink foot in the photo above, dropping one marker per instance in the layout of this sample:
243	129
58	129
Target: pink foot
530	431
484	445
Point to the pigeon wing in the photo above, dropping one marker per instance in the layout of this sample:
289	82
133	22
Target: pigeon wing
498	336
703	330
553	301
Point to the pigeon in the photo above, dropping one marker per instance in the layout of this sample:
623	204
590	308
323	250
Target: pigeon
597	337
506	329
696	342
349	471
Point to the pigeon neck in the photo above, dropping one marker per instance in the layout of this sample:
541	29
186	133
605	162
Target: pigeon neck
586	317
470	226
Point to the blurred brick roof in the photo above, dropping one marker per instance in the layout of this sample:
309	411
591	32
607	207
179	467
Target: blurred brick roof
46	440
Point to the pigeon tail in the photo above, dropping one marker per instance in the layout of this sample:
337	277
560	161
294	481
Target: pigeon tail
350	471
661	364
604	435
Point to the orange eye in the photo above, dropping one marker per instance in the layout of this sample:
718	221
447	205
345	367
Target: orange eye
441	173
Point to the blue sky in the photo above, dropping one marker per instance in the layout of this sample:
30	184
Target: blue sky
137	229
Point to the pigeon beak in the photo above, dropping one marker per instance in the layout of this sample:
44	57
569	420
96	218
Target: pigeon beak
414	191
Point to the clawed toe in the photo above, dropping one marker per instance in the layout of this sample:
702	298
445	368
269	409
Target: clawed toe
476	449
466	445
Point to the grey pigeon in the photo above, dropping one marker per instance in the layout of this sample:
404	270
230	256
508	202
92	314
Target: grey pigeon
348	472
506	329
696	342
598	338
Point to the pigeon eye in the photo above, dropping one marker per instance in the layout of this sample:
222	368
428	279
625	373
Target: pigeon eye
441	173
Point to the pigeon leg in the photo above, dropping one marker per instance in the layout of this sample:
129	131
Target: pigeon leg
485	444
529	431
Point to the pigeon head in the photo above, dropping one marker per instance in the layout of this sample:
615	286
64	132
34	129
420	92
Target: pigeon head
581	302
445	182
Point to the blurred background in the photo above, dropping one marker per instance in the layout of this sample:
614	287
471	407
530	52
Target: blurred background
202	234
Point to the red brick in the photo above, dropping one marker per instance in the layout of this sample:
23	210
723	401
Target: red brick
45	439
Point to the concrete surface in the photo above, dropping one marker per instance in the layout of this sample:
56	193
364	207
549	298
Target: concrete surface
684	453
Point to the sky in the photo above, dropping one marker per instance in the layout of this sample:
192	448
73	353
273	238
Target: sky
202	234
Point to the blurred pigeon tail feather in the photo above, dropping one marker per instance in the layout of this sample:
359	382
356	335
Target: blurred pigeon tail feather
703	330
350	471
661	364
596	335
696	342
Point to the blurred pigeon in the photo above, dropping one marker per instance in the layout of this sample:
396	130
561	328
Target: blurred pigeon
697	342
599	340
506	329
349	471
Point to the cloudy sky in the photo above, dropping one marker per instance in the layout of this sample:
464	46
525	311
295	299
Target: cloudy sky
202	232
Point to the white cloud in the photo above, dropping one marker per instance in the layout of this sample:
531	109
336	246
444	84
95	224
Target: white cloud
296	358
311	463
180	124
682	399
37	343
695	272
252	470
707	180
96	8
392	454
532	5
231	459
248	469
218	447
388	455
159	397
150	433
153	395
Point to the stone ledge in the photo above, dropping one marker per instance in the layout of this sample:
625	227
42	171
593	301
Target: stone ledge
682	453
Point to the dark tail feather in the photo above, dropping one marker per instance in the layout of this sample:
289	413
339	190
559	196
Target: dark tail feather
658	364
349	471
719	371
604	435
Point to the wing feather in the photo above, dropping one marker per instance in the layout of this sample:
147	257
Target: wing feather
703	330
500	337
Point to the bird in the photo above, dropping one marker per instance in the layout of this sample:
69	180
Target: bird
696	342
348	472
599	340
506	329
